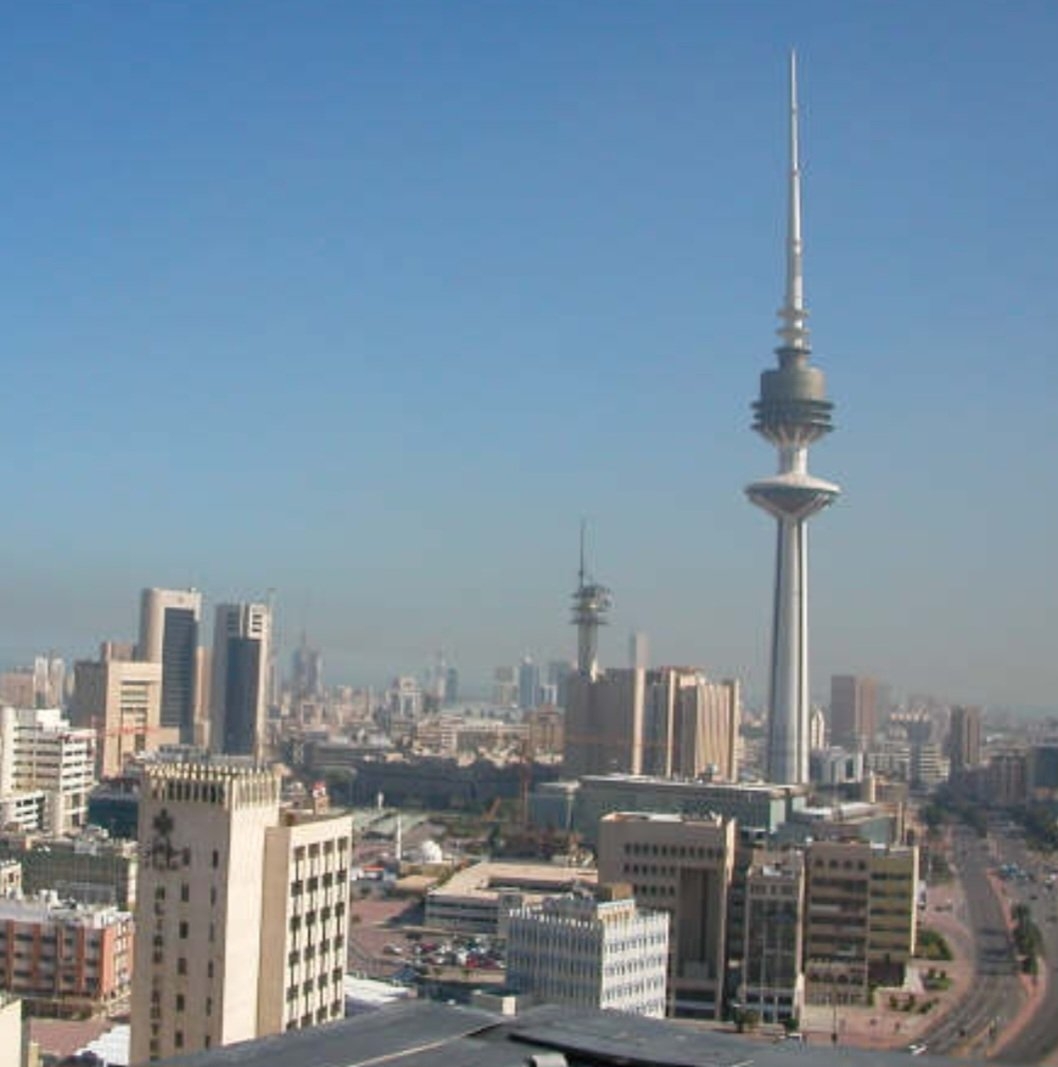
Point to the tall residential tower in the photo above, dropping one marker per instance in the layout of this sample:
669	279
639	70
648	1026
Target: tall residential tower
792	413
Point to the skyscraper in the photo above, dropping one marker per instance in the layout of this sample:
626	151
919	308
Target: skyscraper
792	412
853	711
241	910
964	738
242	638
169	626
528	684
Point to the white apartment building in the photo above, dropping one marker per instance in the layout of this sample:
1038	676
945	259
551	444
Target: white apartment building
47	769
591	951
241	910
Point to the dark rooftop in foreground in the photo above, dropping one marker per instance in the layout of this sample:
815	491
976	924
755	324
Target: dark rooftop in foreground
419	1033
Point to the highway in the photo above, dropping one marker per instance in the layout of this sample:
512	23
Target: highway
996	994
1039	1037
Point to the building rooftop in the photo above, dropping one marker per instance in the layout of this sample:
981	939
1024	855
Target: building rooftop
50	909
487	879
763	789
419	1033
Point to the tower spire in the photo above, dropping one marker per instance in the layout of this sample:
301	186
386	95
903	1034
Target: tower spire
794	332
791	412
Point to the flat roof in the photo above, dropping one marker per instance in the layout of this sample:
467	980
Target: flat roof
487	879
418	1033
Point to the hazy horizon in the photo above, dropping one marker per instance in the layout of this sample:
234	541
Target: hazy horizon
369	305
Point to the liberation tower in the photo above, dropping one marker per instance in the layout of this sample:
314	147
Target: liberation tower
792	413
591	602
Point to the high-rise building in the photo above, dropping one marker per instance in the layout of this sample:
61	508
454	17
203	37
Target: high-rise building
690	725
306	672
964	738
590	949
121	700
817	729
528	684
772	978
683	866
604	722
792	412
241	913
451	686
638	650
242	641
49	681
505	687
558	674
853	711
169	635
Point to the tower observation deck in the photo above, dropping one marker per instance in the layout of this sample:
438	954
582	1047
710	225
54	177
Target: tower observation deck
792	412
591	602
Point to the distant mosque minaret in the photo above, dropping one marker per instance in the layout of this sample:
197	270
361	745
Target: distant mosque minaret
792	412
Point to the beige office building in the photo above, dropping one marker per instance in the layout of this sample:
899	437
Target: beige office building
169	636
853	711
860	918
120	700
682	866
604	723
690	725
241	910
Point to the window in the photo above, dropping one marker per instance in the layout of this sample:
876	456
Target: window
159	892
181	965
216	859
178	1039
185	892
179	1001
209	969
183	929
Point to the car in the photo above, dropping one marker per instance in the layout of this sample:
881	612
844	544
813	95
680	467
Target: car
917	1048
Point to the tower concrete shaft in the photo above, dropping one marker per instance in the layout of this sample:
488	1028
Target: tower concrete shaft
792	412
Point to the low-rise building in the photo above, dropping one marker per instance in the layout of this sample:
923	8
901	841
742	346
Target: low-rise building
478	899
90	868
755	807
65	960
591	949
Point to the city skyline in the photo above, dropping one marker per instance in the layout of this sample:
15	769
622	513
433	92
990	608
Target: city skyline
371	307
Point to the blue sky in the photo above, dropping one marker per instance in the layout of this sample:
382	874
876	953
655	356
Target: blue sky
370	303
